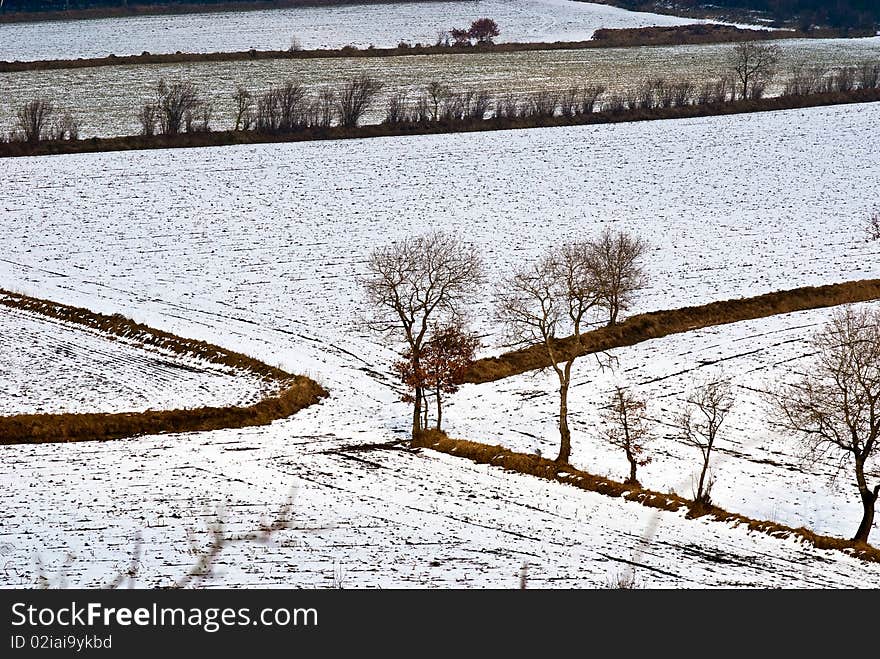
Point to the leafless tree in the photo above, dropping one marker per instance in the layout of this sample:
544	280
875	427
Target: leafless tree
717	91
282	109
419	113
32	118
437	93
616	260
326	107
753	65
173	103
803	79
66	127
869	75
542	104
568	102
198	120
355	99
395	109
834	407
507	107
415	282
626	427
244	109
589	96
699	425
149	119
545	301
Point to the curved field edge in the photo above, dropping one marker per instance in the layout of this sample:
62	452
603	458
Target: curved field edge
296	391
533	465
656	324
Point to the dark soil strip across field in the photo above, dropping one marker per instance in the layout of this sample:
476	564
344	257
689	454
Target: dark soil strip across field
656	324
603	38
227	138
533	465
296	391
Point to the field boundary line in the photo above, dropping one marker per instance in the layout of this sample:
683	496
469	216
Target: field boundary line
657	324
295	392
532	465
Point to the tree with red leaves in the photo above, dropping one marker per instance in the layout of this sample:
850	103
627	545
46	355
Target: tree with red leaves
460	37
484	30
445	359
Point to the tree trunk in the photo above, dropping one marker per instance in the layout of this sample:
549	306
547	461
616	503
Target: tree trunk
439	409
869	498
703	477
632	472
417	413
564	433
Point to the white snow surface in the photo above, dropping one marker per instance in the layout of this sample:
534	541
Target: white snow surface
257	248
382	25
50	366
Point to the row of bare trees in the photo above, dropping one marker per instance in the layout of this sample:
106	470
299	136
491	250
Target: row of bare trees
37	120
283	108
805	79
419	289
179	107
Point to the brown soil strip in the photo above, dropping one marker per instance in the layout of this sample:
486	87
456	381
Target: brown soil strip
296	391
227	138
523	463
603	38
656	324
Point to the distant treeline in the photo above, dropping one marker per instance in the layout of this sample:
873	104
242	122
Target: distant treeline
101	8
801	13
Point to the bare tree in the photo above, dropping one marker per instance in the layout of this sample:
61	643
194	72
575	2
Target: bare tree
699	425
355	98
616	260
395	110
244	109
589	97
545	301
835	405
626	427
148	119
326	107
173	103
753	66
33	117
414	282
66	127
869	75
437	93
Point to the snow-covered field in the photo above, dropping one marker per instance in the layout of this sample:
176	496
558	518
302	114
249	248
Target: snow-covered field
107	100
49	366
755	356
382	25
257	248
